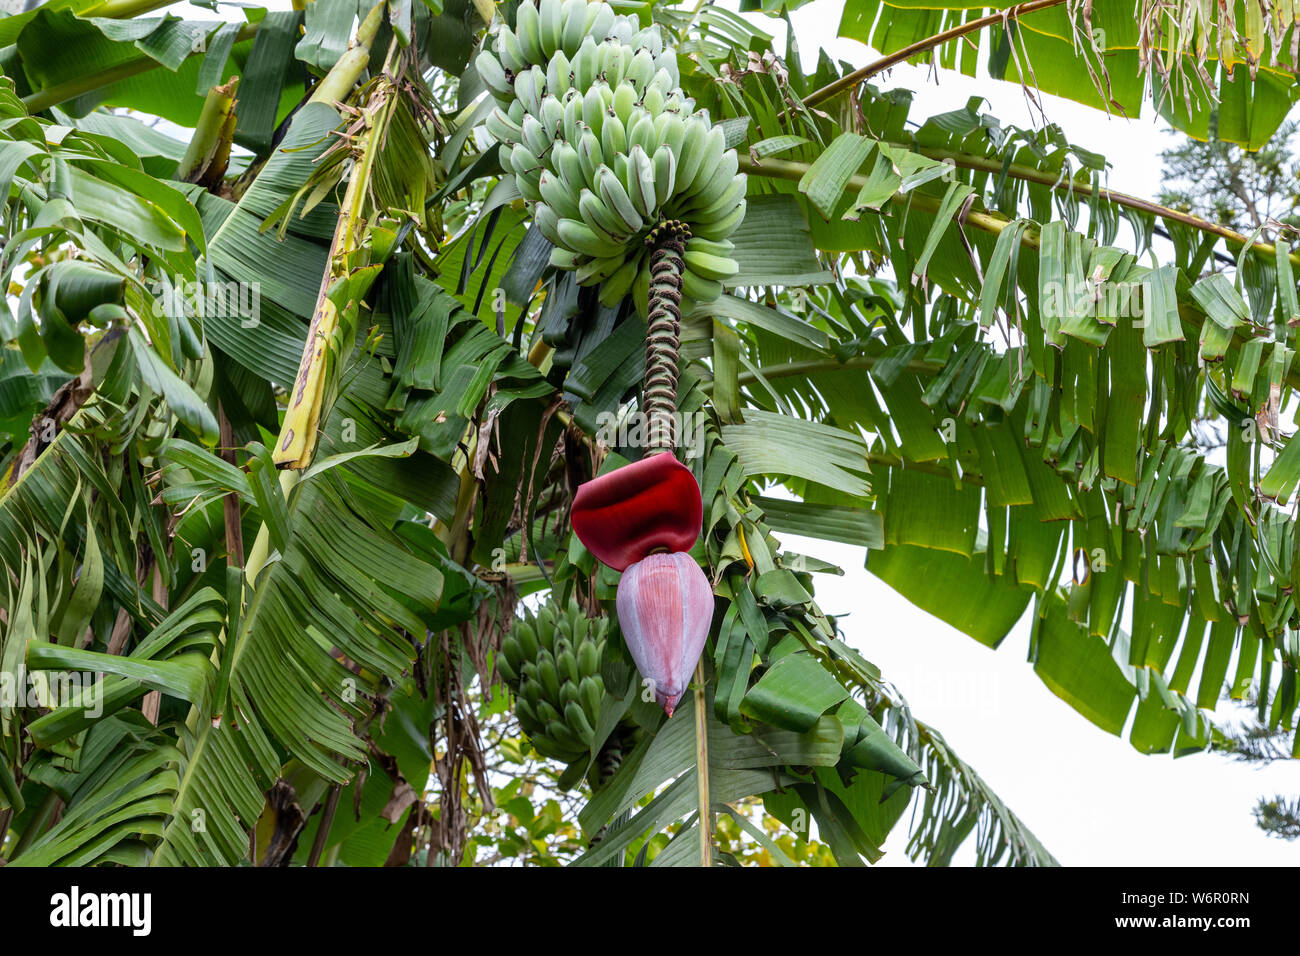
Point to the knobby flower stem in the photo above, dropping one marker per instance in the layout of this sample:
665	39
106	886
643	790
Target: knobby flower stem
663	335
851	80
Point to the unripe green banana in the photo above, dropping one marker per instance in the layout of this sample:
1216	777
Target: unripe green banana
699	288
720	180
527	637
574	25
721	228
566	738
653	101
604	144
572	117
552	116
557	195
649	39
511	651
625	97
567	665
528	30
577	722
546	629
598	216
715	199
589	652
558	74
665	171
623	29
641	291
507	670
722	248
568	693
709	266
593	109
547	712
530	86
577	235
564	259
523	160
641	131
586	64
620	281
589	156
694	148
640	70
532	688
641	182
502	128
528	183
681	103
548	222
670	131
598	269
494	76
600	18
616	62
565	161
550	17
664	82
590	693
549	675
613	138
510	54
615	197
526	712
710	156
724	205
536	138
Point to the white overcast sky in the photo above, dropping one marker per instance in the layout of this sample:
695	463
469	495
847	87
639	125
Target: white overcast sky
1089	797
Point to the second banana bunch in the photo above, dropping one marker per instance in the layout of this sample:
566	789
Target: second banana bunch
604	147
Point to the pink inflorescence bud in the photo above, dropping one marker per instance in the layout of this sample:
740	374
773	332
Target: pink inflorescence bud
665	607
641	519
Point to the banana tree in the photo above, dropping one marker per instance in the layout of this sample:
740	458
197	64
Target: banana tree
302	409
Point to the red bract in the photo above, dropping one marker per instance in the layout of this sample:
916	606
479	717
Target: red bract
665	607
650	505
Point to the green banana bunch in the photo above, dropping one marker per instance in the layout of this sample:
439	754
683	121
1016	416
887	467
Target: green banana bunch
561	37
604	147
551	661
